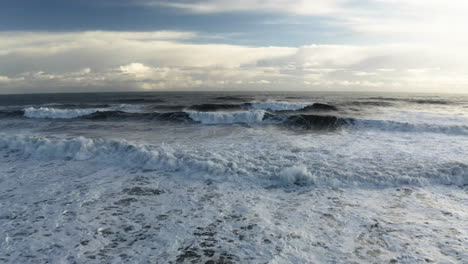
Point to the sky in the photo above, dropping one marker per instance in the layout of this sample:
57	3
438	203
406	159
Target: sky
286	45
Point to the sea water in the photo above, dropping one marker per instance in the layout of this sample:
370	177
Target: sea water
254	177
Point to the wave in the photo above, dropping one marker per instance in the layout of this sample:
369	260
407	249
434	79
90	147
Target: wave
121	115
74	106
139	100
272	107
450	173
420	101
227	117
167	107
58	112
110	152
415	101
320	107
17	113
394	126
278	106
328	122
331	123
302	121
242	117
217	107
127	107
316	122
48	112
232	98
163	157
368	103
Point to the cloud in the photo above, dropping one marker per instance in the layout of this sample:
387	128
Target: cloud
136	69
119	61
302	7
402	20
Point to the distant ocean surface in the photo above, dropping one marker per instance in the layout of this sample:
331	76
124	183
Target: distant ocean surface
227	177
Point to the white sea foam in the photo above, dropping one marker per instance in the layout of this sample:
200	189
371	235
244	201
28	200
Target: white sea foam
278	106
227	117
298	174
48	112
394	126
130	108
386	189
54	113
227	164
116	153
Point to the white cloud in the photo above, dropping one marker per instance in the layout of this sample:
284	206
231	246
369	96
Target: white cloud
408	20
81	61
302	7
136	69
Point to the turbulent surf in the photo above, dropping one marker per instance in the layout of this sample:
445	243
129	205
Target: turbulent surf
234	178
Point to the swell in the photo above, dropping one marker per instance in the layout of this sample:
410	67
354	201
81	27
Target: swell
368	103
297	119
201	162
394	126
121	115
248	117
139	100
303	121
300	121
415	101
278	106
108	152
69	113
267	106
17	113
217	107
233	98
54	113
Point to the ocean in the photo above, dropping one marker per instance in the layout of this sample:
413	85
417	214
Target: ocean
234	177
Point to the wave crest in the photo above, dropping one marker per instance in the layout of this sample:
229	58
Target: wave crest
165	158
48	112
227	117
110	152
394	126
279	106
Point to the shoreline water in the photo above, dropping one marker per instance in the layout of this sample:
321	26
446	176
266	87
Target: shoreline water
241	178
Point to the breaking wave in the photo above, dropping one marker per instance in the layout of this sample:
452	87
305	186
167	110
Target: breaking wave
279	106
217	107
227	117
116	153
387	125
257	116
164	157
48	112
54	113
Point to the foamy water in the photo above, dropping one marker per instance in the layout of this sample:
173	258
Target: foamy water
364	179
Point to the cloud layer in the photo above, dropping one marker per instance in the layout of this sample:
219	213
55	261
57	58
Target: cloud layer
380	45
433	20
111	61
